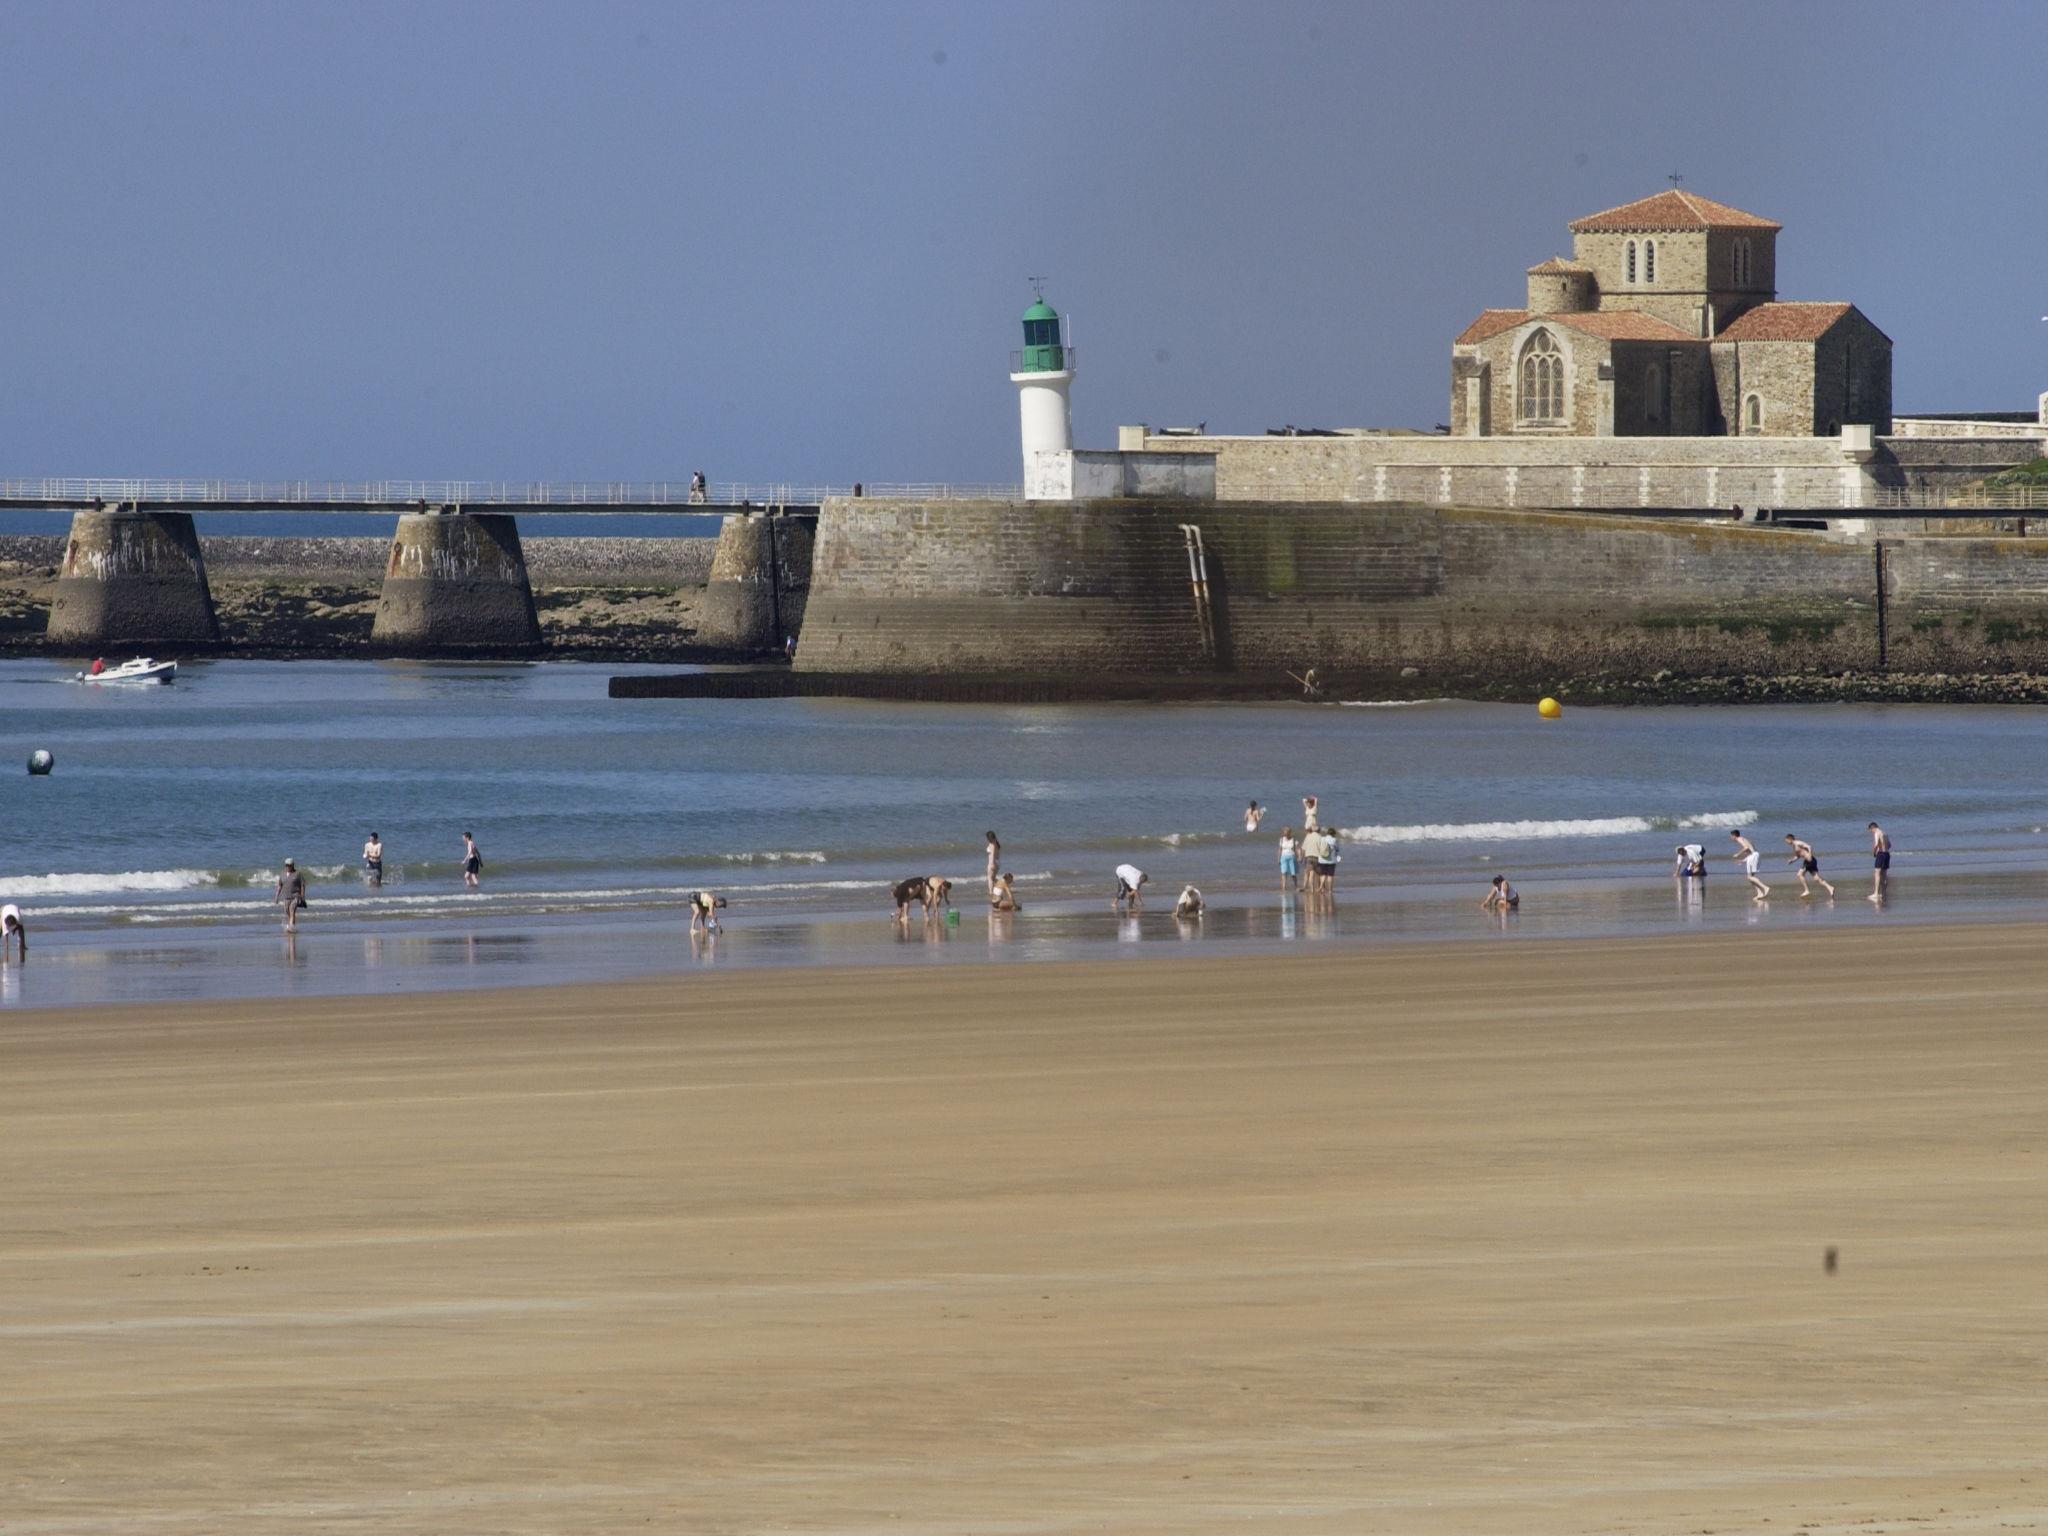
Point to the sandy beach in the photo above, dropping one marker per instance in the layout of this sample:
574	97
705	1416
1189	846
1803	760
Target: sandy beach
1488	1237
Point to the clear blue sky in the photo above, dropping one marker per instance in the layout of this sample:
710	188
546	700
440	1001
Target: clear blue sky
792	241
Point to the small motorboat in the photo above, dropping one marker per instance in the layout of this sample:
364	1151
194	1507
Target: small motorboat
140	670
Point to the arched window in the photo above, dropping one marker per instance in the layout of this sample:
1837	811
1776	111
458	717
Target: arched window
1649	261
1631	263
1542	393
1753	414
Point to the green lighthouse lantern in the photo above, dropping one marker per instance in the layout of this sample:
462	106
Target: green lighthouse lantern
1042	350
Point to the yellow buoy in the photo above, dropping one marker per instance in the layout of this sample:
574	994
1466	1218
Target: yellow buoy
1549	709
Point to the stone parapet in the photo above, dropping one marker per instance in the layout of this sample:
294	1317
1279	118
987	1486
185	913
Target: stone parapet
454	583
130	578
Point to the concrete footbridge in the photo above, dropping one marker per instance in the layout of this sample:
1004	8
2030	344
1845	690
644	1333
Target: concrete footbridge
609	497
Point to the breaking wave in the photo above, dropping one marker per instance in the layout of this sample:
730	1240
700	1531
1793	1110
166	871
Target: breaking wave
1523	831
19	887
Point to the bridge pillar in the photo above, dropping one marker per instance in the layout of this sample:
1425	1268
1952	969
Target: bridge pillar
131	578
455	582
760	577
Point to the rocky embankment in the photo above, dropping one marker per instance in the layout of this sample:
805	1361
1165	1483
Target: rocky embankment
616	599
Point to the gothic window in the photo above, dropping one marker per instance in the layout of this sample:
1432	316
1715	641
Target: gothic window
1631	263
1542	394
1753	414
1650	261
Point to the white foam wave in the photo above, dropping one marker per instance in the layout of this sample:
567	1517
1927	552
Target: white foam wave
1389	703
801	856
28	887
1524	831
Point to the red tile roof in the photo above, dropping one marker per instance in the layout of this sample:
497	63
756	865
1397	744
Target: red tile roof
1783	322
1491	322
1670	210
1610	324
1559	264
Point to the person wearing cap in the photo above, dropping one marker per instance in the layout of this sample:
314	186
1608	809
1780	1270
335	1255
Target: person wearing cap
291	890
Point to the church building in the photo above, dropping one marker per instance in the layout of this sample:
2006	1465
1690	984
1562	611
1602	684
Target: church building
1666	322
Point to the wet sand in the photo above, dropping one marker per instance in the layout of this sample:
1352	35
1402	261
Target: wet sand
1449	1238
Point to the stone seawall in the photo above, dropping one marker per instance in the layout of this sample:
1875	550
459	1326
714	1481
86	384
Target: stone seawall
1456	597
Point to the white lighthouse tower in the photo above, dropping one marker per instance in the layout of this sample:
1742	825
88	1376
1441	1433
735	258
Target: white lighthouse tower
1042	372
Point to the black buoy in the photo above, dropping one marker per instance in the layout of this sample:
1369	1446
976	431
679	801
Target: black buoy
40	762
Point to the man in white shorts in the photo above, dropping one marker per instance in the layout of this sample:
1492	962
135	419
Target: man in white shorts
1746	855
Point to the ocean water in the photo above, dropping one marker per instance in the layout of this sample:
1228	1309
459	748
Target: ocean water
145	861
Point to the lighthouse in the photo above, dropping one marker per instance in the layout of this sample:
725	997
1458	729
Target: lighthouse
1042	371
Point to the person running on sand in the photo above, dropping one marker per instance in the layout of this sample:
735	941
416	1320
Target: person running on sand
704	912
1189	904
1500	896
1808	863
12	928
291	890
1003	894
1130	887
472	862
1746	855
1290	860
1254	813
1881	862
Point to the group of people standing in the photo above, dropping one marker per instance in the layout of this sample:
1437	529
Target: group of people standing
1308	863
1691	864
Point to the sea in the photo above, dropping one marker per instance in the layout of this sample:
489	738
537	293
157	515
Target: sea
145	862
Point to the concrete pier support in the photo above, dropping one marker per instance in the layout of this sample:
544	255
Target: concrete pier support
455	582
760	579
131	578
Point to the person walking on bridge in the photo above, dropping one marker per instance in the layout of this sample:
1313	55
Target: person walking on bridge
700	489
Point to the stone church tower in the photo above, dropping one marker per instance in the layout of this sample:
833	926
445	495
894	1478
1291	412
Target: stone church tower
1665	322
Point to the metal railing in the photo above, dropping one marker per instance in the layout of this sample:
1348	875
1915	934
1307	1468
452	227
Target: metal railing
400	495
1069	357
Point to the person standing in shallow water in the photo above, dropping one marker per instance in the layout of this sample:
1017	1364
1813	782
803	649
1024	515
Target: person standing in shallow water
995	860
472	862
291	890
1290	859
373	860
1881	862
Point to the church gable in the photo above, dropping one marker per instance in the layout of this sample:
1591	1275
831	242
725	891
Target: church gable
1666	322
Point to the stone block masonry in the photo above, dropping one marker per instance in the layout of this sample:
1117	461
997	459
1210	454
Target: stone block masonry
1467	597
455	583
131	578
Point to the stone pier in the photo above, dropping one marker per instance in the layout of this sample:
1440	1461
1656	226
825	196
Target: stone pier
131	578
455	582
760	579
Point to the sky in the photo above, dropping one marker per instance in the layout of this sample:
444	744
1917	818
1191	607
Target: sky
791	242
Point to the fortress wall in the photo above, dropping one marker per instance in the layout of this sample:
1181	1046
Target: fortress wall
1019	588
1803	472
1966	605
